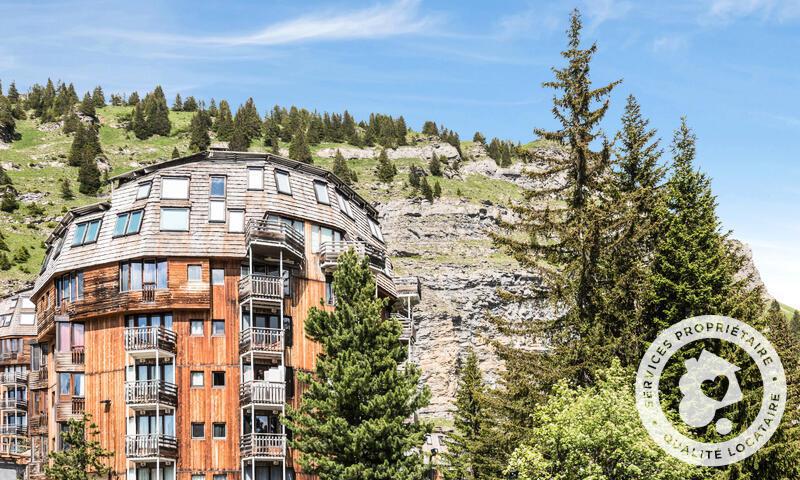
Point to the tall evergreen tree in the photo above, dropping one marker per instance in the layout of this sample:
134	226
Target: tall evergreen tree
13	94
435	166
66	189
298	149
385	169
5	180
198	130
430	128
425	189
353	419
795	323
437	189
87	106
85	458
175	153
177	104
341	170
190	104
133	99
223	123
468	420
88	176
156	113
98	98
413	176
138	122
212	108
71	123
479	138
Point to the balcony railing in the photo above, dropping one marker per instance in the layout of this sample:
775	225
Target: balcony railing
71	361
266	446
13	404
262	288
149	338
15	447
264	340
262	393
277	233
70	409
408	287
408	333
329	253
37	423
8	378
37	379
150	392
149	293
150	446
45	320
13	429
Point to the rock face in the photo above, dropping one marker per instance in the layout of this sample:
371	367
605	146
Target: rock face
424	151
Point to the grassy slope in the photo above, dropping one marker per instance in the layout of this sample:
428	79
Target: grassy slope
41	158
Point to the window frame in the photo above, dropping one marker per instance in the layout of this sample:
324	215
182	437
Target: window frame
127	270
85	228
188	219
278	173
166	179
375	230
202	376
149	185
214	431
222	210
259	170
214	323
211	179
344	205
237	211
197	321
213	278
189	269
214	375
126	229
202	426
319	184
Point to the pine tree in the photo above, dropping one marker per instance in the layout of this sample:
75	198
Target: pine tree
88	175
212	108
156	113
190	105
479	138
98	98
66	189
9	201
3	244
198	128
85	458
238	140
75	156
401	131
223	123
21	255
437	189
425	189
251	120
467	424
71	123
5	263
175	153
177	104
435	166
385	169
133	99
13	94
413	177
430	128
505	158
139	123
5	180
87	106
358	396
8	124
340	168
298	149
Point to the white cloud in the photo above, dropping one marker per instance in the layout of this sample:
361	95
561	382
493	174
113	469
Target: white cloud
670	43
402	17
601	11
727	10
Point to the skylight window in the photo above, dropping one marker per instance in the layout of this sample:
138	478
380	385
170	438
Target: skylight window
128	223
375	229
86	232
144	190
321	192
344	205
282	182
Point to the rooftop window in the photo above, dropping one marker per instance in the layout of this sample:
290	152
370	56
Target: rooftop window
144	190
344	205
86	232
128	223
282	182
375	229
321	192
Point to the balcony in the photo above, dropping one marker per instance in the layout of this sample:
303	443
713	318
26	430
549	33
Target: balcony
150	446
262	393
15	430
145	341
408	334
37	379
147	393
45	322
13	404
263	446
11	378
263	289
270	236
17	446
71	409
37	424
72	361
408	288
329	253
263	342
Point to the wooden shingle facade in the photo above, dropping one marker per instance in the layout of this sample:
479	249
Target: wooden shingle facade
174	312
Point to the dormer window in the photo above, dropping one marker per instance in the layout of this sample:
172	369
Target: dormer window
282	182
344	205
321	192
57	247
86	232
128	223
175	188
375	229
144	190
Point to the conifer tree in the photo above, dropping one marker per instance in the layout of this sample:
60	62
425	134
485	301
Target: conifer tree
3	244
87	106
133	99
13	94
175	153
353	419
98	98
430	128
21	255
177	104
298	149
479	138
505	158
223	123
425	189
238	140
340	168
88	176
199	139
385	169
138	122
71	123
413	177
66	189
85	458
190	104
468	422
212	108
156	113
75	156
437	189
5	263
251	119
9	201
5	180
8	124
401	131
435	166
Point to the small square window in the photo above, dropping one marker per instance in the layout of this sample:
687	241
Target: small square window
195	273
143	191
196	328
255	178
217	186
218	328
217	379
321	192
236	221
217	276
222	476
216	211
198	476
198	379
198	430
282	182
175	188
219	432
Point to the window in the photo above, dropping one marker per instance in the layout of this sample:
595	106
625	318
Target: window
221	476
198	379
329	297
138	273
63	383
297	225
320	235
217	186
282	182
255	179
175	188
375	229
216	211
86	232
128	223
196	327
219	432
195	273
217	276
217	379
143	191
344	205
198	430
77	385
218	328
57	247
150	320
198	476
69	287
321	192
175	219
236	221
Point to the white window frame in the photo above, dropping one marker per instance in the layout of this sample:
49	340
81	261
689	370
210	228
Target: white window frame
202	377
197	321
189	270
281	174
216	210
174	182
213	283
255	173
344	205
320	190
224	186
375	229
172	229
143	190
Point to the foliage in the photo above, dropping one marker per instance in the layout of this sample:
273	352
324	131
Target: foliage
8	202
468	421
198	131
425	189
437	189
430	128
341	170
66	189
479	138
223	122
175	153
98	98
84	458
352	422
298	149
435	166
385	170
88	176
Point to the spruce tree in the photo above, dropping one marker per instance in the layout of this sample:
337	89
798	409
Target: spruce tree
9	202
437	189
98	98
298	149
75	156
353	419
66	189
435	166
87	106
468	419
505	158
340	168
85	458
138	122
71	123
223	123
430	128
175	153
5	263
177	104
13	94
198	128
385	169
5	180
156	113
88	175
238	140
212	108
133	99
190	105
21	255
425	189
479	138
413	176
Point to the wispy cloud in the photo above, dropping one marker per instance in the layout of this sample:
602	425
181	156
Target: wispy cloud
402	17
601	11
532	22
780	10
670	43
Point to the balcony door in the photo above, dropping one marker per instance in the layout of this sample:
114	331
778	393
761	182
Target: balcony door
146	423
266	472
70	337
264	423
149	473
261	320
151	320
149	371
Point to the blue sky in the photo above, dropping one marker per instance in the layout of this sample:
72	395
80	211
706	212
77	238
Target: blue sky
730	66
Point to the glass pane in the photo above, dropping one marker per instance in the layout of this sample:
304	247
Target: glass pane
196	327
162	274
149	272
77	334
136	222
217	276
124	277
136	276
119	227
64	337
315	238
168	321
321	190
175	188
143	191
216	211
79	277
195	273
80	230
63	383
236	221
175	219
282	181
78	389
255	179
217	186
92	231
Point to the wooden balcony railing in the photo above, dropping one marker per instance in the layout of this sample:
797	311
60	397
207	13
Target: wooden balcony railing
150	338
37	423
150	446
13	404
266	446
37	379
70	409
45	320
17	446
263	288
149	293
276	233
264	340
13	430
150	392
9	378
72	361
261	392
329	253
